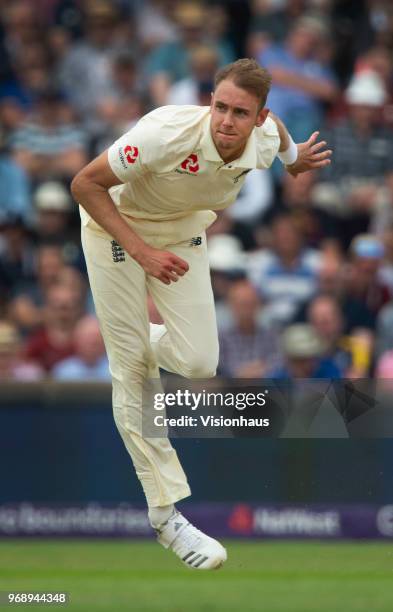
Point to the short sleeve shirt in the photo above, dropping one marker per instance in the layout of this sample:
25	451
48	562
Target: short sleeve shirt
170	168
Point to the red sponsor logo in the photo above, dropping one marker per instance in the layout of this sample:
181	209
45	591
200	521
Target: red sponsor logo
191	163
241	519
131	154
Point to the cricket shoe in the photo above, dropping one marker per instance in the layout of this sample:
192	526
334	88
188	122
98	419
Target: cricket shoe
195	549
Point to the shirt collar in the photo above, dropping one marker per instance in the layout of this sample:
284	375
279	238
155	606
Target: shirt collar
248	159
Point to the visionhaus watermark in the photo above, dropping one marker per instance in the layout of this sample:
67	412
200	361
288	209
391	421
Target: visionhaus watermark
303	408
204	411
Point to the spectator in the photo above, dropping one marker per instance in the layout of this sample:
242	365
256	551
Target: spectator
384	370
48	146
85	70
53	205
170	62
361	345
12	366
219	32
332	274
374	25
119	110
54	340
384	330
247	350
125	83
196	88
226	252
273	24
385	272
74	280
317	226
303	353
227	264
22	29
90	362
14	187
111	126
358	181
31	75
301	83
67	17
54	210
242	230
16	255
155	23
286	274
380	61
326	318
364	293
29	297
12	115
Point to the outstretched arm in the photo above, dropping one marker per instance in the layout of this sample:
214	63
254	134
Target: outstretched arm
310	155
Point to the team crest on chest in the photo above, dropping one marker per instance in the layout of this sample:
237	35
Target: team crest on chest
190	165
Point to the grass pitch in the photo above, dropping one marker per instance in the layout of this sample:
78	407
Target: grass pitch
113	576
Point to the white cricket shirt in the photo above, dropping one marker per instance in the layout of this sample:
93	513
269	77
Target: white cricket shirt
170	168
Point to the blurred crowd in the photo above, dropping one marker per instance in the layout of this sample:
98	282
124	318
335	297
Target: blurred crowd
302	269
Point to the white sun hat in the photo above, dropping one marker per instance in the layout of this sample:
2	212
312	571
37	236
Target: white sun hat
225	254
366	88
52	195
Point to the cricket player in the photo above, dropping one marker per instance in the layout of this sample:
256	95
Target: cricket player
145	205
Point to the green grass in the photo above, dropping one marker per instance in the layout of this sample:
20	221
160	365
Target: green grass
258	576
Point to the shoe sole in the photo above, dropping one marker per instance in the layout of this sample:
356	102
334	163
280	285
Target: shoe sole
218	565
221	561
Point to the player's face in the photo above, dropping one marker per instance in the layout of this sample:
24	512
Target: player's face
234	114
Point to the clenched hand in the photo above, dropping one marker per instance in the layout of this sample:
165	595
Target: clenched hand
163	265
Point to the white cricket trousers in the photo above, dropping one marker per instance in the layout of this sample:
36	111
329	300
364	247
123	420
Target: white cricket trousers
188	347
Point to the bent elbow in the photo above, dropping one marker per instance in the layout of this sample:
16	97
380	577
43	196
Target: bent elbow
76	187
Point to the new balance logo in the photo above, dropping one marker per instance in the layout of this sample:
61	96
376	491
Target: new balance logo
117	252
197	241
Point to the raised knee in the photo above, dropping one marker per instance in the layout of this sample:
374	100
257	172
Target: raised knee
200	366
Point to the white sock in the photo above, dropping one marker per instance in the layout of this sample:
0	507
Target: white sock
159	515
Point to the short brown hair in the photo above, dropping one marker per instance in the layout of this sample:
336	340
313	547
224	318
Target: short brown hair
249	75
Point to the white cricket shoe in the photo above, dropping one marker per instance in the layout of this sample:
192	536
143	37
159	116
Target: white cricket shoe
195	549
